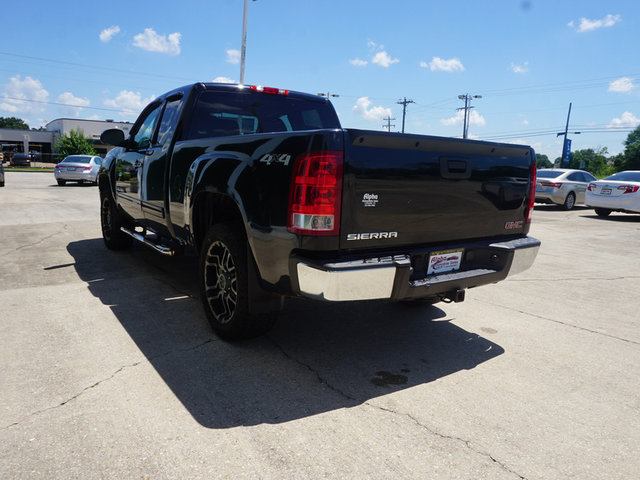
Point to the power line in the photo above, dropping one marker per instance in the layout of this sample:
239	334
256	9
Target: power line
388	125
120	110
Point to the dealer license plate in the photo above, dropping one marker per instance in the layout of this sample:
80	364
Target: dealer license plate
445	261
605	191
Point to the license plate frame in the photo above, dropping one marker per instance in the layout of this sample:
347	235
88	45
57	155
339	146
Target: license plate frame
605	191
444	261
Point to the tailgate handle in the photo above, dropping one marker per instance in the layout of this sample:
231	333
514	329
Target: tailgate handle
457	168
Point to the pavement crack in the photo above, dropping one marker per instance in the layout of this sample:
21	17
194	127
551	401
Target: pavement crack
34	244
320	378
110	377
560	322
467	443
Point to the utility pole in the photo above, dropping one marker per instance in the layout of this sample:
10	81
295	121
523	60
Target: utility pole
404	104
388	125
467	115
566	144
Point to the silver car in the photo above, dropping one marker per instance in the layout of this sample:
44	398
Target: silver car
562	186
77	168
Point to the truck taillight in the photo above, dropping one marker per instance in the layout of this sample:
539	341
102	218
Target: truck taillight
532	193
315	195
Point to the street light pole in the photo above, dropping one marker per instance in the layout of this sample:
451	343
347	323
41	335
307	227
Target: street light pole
244	41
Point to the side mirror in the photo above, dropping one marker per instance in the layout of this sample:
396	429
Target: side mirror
113	136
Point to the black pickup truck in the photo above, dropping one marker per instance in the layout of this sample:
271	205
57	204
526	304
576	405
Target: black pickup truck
278	200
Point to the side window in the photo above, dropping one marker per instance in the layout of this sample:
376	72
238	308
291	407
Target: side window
145	133
169	121
588	177
575	177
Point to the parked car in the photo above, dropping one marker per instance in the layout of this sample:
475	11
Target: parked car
20	160
77	168
562	186
616	193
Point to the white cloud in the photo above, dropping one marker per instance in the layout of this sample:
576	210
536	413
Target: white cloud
587	25
358	62
21	91
223	80
437	63
627	119
622	85
233	56
520	68
152	42
128	102
475	119
525	122
108	33
383	59
375	114
67	98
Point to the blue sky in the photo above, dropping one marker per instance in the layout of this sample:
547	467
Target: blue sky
527	59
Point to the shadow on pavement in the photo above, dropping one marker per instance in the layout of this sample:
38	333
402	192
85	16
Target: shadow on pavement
320	356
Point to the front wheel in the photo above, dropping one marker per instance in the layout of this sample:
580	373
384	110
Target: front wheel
224	286
602	212
111	221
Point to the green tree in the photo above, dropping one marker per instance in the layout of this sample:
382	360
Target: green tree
542	161
632	151
13	122
74	144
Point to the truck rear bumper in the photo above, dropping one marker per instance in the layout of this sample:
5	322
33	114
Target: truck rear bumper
399	277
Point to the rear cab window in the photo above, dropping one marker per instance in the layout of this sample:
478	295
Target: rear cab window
217	113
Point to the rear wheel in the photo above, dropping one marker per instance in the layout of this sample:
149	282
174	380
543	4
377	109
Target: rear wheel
111	220
224	286
62	182
602	212
570	201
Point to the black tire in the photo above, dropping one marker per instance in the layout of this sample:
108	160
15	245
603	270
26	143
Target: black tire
62	182
111	221
602	212
570	201
224	286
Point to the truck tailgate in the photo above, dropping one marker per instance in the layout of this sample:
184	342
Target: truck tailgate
418	190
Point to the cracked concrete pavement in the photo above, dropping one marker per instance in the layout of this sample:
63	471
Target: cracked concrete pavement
111	371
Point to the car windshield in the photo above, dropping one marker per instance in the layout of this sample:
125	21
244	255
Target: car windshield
548	173
77	159
631	176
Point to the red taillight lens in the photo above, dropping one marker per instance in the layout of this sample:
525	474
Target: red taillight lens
316	193
532	193
591	187
270	90
551	184
628	188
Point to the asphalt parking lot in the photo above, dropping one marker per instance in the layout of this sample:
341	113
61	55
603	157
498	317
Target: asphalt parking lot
111	371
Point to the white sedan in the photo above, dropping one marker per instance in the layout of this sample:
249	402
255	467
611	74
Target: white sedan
618	193
77	168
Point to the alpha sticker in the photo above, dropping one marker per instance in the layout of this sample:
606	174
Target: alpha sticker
370	199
